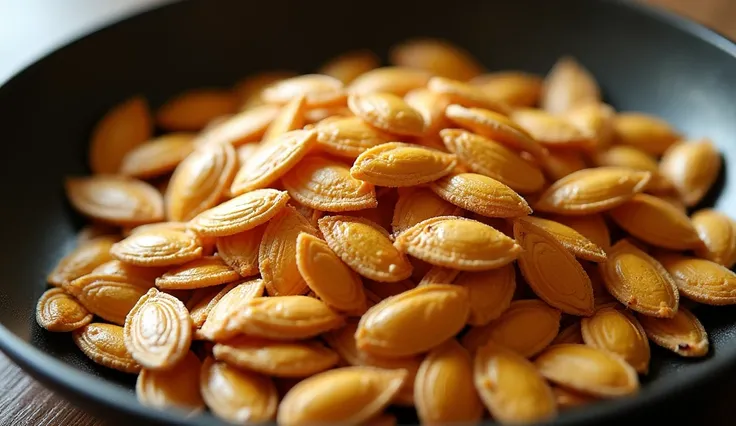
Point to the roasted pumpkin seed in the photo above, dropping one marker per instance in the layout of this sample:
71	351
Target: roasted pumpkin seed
82	260
481	194
365	247
458	243
700	280
692	167
552	271
117	200
618	332
718	234
568	85
240	214
203	272
126	126
588	370
158	330
58	311
237	396
274	358
158	247
175	388
104	344
444	390
511	387
683	334
639	282
397	164
387	112
327	185
399	326
347	395
193	110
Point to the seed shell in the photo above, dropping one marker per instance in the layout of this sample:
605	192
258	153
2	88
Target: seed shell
347	395
58	311
399	326
718	233
490	292
683	334
551	271
237	396
365	247
511	387
274	358
126	126
458	243
177	388
327	185
387	112
639	282
116	200
571	239
203	272
700	280
82	260
240	251
240	214
158	330
692	167
104	344
444	390
396	164
481	194
618	332
588	370
158	247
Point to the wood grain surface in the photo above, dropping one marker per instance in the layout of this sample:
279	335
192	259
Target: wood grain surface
23	401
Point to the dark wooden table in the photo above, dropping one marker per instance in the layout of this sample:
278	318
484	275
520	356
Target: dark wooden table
23	401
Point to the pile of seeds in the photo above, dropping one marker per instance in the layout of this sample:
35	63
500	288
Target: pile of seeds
319	248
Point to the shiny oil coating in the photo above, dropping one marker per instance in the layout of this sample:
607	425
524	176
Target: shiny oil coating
444	390
273	160
110	297
365	247
494	126
511	387
104	344
619	332
325	273
217	325
285	317
327	185
639	282
240	214
718	233
274	358
700	280
58	311
459	243
126	126
162	247
387	112
682	334
593	190
392	328
238	396
551	271
158	330
277	253
344	395
487	157
348	137
526	327
198	182
117	200
571	239
481	194
204	272
588	370
416	205
656	222
175	388
397	164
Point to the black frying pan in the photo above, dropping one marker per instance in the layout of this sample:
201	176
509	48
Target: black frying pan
644	60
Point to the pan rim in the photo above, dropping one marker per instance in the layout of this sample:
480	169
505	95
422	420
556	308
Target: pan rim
48	369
